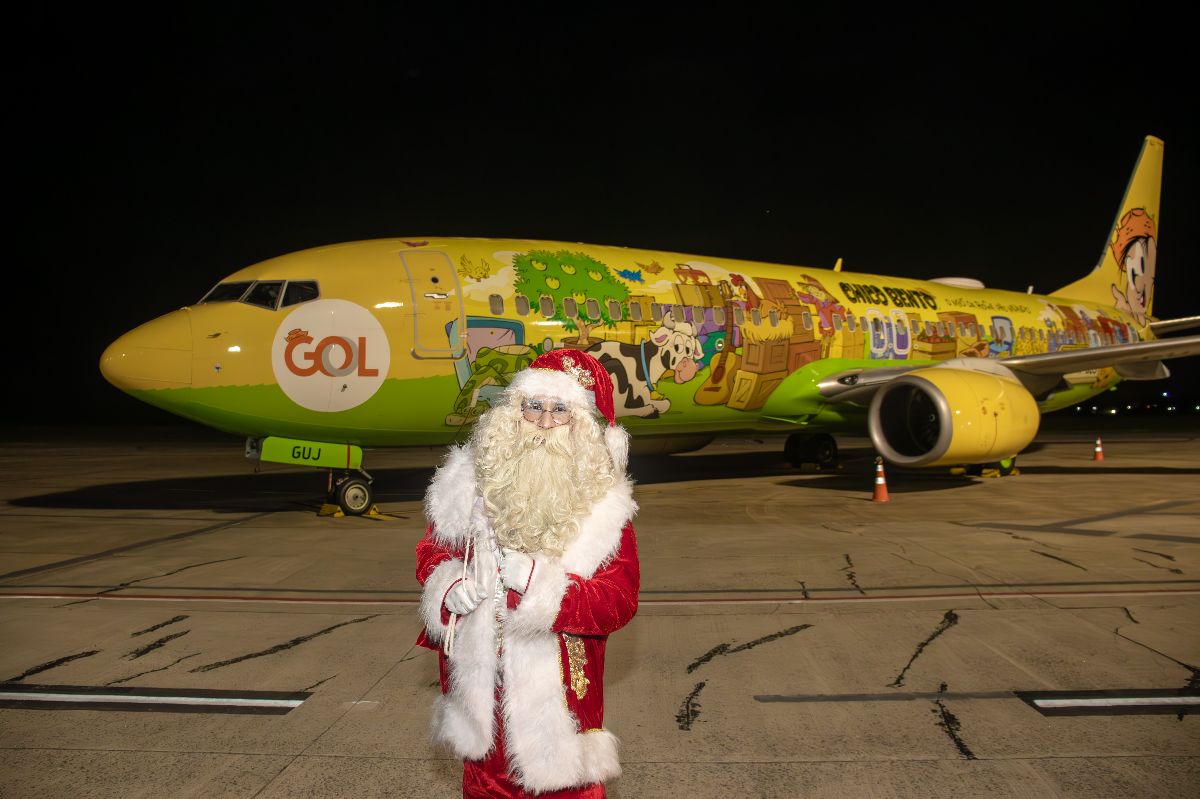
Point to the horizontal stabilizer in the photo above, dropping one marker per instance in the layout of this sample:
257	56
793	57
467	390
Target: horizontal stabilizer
1165	326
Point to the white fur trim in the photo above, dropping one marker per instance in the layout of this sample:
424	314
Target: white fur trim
449	501
546	749
540	605
552	383
616	439
600	533
436	586
464	718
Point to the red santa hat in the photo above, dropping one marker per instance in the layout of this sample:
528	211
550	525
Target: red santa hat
580	380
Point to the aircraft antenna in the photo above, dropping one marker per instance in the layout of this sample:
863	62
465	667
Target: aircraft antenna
1030	289
838	266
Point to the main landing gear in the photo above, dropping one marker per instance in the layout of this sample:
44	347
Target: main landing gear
351	491
818	448
1003	468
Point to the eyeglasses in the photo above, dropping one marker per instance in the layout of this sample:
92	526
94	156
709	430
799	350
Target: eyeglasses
534	409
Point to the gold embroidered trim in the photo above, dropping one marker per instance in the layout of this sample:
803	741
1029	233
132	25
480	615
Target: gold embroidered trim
576	660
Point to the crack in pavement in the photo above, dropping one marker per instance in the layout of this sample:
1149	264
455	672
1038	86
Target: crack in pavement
150	647
1152	552
1155	565
1056	557
168	574
1192	686
967	583
53	664
726	649
151	671
948	621
849	570
951	726
1130	615
279	647
690	708
158	626
803	589
322	682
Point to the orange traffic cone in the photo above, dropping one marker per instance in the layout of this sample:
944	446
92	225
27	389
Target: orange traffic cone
881	492
1099	453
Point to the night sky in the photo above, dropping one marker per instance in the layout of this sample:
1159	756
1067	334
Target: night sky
154	152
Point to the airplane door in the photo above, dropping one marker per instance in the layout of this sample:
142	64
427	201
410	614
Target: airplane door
437	305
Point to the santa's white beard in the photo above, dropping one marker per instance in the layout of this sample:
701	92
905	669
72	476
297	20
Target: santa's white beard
539	483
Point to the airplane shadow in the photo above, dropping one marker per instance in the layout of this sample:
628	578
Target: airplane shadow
305	490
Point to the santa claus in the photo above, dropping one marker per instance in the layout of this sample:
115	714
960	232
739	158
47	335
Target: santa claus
528	563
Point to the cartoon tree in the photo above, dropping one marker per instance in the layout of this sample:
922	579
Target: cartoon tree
563	274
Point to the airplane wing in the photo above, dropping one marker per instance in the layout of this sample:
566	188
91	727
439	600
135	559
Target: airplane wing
1138	361
1163	326
1039	373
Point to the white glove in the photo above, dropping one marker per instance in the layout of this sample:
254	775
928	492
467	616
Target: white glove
516	570
463	597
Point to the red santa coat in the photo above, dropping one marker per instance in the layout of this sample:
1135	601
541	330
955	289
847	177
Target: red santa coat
551	662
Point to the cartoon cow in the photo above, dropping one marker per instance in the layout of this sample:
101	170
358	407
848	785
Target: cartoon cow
636	368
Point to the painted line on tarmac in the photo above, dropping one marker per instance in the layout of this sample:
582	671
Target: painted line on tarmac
785	600
1121	702
155	700
1118	702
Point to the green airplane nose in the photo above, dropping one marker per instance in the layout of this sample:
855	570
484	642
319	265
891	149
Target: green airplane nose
155	355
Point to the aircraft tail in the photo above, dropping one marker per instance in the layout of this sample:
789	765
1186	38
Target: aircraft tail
1124	276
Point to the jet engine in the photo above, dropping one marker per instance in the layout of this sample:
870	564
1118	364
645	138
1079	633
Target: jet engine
947	415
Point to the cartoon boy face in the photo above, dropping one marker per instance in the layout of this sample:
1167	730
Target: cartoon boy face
1136	252
1139	276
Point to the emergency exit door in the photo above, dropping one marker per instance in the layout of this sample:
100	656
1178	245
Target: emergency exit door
437	305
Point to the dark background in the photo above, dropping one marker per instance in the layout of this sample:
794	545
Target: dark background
154	151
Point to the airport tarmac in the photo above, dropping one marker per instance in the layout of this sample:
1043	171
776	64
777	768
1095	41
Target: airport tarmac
176	625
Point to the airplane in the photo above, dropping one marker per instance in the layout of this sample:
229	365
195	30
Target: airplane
314	355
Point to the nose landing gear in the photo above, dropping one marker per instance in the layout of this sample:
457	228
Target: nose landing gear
352	493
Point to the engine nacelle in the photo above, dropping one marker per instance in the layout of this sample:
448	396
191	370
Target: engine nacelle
941	415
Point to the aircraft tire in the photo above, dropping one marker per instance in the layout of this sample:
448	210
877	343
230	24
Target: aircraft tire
820	449
354	496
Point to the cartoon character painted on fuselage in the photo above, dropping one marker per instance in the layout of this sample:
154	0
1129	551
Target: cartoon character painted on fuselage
813	293
1135	248
636	368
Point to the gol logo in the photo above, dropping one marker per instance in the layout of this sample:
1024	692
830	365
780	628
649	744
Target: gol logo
319	359
330	355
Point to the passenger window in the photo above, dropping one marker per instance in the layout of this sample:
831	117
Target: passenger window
915	326
718	316
656	311
635	310
496	304
838	321
698	314
570	307
265	294
806	320
677	313
739	315
850	323
522	303
614	310
593	308
773	315
546	306
755	316
298	291
1041	335
226	292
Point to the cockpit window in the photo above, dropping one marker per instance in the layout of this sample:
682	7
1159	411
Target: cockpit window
299	291
226	292
265	294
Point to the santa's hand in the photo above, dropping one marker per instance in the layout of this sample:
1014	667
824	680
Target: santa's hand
516	570
463	597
